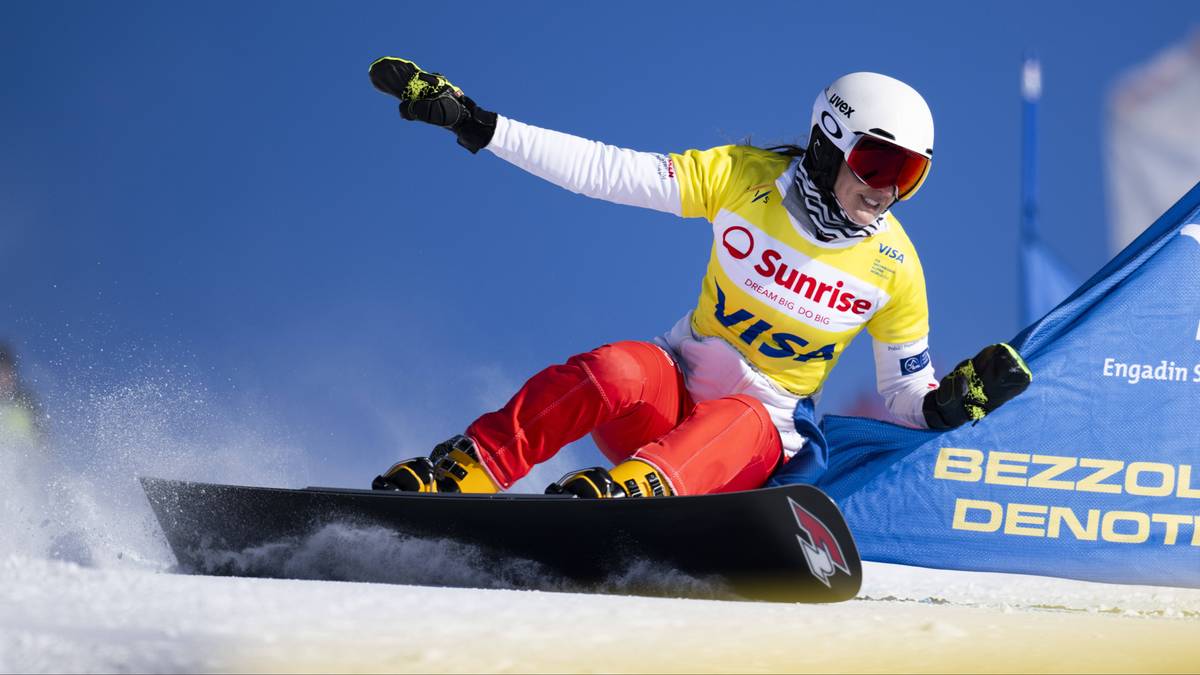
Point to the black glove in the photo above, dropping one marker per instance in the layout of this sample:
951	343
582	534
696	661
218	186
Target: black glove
976	387
431	98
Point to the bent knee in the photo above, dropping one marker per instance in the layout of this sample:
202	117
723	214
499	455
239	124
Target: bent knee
768	440
622	369
754	405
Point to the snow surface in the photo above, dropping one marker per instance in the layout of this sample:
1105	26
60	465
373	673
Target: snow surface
57	616
86	585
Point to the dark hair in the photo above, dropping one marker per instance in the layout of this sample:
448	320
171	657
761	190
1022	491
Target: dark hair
796	149
787	150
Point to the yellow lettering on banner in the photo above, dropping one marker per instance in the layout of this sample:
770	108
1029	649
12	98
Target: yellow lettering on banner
996	468
1108	527
1038	520
959	464
1104	469
1165	486
963	506
1028	520
1058	466
1186	491
1060	515
1172	521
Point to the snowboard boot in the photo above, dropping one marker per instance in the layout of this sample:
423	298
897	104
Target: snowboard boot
631	478
410	475
453	466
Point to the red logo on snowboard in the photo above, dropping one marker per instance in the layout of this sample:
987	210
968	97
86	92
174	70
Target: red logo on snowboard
821	548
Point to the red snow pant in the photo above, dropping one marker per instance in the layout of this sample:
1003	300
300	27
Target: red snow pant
631	397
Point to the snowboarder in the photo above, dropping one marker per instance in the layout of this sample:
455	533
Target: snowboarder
20	412
806	254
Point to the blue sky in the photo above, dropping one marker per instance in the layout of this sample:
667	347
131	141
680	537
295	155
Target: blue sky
211	197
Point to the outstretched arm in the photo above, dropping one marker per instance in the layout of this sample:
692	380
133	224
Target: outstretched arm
586	167
589	168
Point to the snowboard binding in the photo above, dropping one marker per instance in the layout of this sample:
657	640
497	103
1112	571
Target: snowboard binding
631	478
410	475
453	466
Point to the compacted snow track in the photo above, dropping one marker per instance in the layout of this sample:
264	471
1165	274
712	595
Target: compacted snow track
86	585
60	617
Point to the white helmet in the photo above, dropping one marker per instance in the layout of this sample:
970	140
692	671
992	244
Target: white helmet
882	128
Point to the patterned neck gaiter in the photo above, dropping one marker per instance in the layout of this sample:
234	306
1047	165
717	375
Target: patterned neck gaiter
825	220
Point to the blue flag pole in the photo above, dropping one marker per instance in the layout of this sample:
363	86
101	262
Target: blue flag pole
1031	93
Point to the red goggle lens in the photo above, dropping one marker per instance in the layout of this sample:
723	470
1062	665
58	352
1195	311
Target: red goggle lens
882	165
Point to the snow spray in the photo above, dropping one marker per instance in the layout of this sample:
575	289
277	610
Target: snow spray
73	495
370	553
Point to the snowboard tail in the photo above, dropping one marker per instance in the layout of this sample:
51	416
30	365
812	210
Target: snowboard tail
786	544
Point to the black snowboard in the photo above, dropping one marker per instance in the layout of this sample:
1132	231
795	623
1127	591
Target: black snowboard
787	544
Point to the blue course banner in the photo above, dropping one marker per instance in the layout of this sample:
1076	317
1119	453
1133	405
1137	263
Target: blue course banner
1093	473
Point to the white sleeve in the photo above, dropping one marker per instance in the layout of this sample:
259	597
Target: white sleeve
903	375
589	167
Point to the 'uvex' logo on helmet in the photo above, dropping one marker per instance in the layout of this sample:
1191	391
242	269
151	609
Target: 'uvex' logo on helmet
841	105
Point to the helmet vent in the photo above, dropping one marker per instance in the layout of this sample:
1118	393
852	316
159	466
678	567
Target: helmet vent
883	132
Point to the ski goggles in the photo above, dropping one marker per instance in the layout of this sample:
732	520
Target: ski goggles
882	165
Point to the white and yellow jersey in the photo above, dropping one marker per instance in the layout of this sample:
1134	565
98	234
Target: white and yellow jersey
777	306
788	303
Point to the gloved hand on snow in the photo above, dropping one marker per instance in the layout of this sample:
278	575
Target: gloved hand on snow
977	387
431	98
